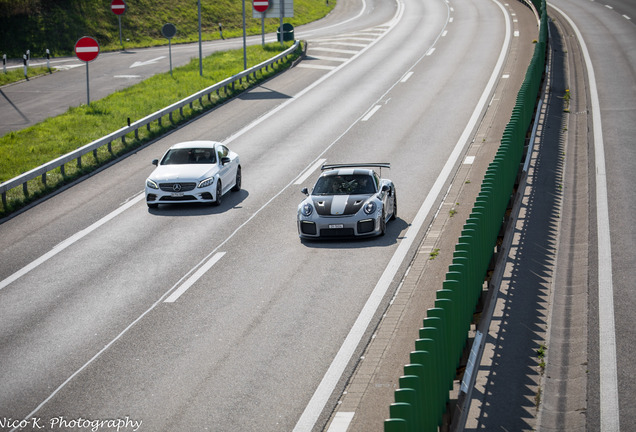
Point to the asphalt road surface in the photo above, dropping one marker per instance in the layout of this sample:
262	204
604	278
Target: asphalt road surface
87	330
92	327
608	33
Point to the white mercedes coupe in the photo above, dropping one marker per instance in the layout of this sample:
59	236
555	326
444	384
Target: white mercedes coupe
192	172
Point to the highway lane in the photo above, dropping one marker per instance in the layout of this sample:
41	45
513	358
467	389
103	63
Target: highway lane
608	32
88	333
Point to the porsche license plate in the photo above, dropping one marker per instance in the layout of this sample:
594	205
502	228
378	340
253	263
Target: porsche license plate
336	226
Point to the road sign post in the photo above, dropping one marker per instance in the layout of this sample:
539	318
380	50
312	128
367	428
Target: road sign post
200	43
168	31
261	6
118	7
282	15
87	50
244	39
276	9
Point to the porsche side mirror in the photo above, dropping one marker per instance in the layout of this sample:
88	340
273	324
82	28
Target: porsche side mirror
305	191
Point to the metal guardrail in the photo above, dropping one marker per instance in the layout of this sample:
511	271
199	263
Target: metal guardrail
22	179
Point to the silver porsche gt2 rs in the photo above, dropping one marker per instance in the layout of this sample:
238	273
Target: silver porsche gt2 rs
348	200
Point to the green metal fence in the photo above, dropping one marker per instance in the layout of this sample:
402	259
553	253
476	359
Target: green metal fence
420	400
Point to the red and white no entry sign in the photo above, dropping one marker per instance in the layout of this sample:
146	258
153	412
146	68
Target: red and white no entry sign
86	49
260	5
118	7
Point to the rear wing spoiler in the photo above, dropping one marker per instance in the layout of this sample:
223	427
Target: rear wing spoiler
356	165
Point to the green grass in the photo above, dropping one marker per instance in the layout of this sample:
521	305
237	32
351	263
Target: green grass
21	151
57	24
15	75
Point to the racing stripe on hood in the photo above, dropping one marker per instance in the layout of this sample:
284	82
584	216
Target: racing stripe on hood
339	205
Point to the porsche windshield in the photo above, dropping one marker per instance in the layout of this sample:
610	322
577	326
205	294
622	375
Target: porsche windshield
184	156
354	184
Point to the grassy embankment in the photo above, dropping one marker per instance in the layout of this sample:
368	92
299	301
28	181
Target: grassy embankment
15	75
37	25
23	150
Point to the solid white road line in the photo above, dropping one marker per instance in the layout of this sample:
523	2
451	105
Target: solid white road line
334	50
608	373
341	421
359	45
195	277
406	77
371	112
315	66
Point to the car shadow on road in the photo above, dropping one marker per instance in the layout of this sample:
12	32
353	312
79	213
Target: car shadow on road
394	230
230	201
262	93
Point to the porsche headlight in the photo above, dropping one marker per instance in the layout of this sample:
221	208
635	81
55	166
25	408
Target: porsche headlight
207	182
370	207
151	184
306	209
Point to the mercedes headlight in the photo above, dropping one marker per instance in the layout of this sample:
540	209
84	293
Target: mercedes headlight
151	184
207	182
